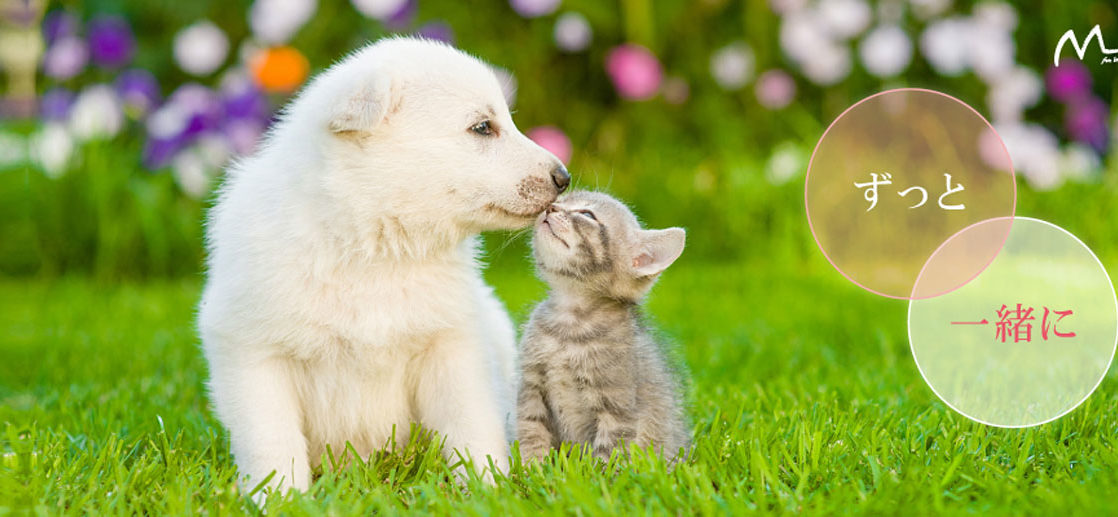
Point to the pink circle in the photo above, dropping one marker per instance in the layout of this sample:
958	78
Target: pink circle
897	174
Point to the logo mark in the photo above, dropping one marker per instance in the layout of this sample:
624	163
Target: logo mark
1081	48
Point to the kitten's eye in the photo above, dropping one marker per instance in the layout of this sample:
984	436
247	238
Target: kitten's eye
588	213
483	128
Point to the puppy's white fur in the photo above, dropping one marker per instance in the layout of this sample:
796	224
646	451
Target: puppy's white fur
343	299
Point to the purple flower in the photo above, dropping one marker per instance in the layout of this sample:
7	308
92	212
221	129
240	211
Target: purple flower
438	31
242	99
635	72
55	104
403	17
111	43
139	91
59	24
1086	122
66	58
1069	81
534	8
158	152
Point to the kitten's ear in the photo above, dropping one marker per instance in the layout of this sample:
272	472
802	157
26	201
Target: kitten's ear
657	250
362	106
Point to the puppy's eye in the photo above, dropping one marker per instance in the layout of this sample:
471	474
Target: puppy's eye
587	213
483	128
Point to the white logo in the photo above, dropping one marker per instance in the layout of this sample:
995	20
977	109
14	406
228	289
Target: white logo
1081	49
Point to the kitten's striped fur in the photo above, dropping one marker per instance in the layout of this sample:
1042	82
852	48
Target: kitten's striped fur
591	372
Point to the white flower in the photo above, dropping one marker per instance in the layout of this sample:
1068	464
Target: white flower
845	18
802	33
996	14
1014	92
786	163
886	51
97	113
379	9
732	65
1079	162
201	48
534	8
927	9
51	147
830	65
783	7
945	44
275	21
191	173
991	51
572	32
1035	153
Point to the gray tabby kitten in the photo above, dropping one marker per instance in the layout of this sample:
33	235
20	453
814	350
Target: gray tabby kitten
591	373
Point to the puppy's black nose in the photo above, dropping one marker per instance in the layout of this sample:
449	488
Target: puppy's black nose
560	177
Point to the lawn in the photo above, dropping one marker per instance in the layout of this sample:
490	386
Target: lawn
803	393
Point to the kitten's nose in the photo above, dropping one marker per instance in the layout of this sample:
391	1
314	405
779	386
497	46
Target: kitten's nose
560	177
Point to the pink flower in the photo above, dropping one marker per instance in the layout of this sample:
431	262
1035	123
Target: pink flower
635	72
554	140
775	89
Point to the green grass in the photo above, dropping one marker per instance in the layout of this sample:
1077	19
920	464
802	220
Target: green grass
804	398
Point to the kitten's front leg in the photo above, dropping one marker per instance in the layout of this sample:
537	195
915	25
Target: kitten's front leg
534	427
614	414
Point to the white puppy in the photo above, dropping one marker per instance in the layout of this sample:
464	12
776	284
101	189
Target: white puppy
343	298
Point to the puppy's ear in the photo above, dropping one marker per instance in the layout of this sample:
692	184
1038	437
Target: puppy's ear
657	250
363	107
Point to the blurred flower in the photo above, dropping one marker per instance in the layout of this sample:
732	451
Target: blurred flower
831	64
635	72
927	9
55	104
508	84
845	18
243	135
572	32
554	140
138	91
191	173
438	31
214	150
534	8
111	43
279	69
274	22
786	162
199	105
242	99
732	65
775	89
51	148
1012	93
886	51
201	48
1086	122
801	33
1079	162
379	9
13	150
676	90
945	43
403	16
59	24
66	58
1035	153
96	114
783	7
996	15
991	51
1069	81
158	152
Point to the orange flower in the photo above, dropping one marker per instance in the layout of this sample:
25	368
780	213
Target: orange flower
279	69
